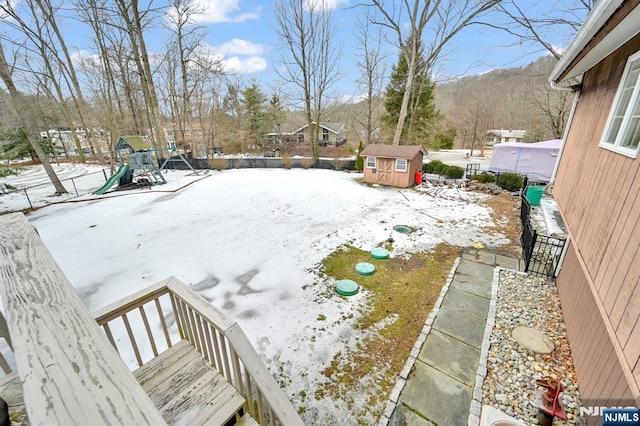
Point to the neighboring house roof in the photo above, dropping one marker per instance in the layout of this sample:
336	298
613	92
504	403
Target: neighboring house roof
597	38
507	133
291	129
393	151
137	143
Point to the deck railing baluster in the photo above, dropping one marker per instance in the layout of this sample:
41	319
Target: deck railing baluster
260	406
152	342
107	331
163	323
249	395
237	375
225	359
207	337
132	339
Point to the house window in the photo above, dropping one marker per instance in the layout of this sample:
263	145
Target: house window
171	145
622	133
301	137
401	165
371	162
325	135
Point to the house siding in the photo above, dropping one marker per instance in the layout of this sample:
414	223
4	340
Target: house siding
600	371
597	191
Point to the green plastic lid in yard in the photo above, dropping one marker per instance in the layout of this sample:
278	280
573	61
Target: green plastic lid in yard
365	268
402	229
347	287
379	253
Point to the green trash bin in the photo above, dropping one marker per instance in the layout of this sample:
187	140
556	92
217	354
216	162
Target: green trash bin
534	194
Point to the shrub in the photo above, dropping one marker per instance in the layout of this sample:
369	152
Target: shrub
287	161
218	164
434	166
510	181
454	172
307	162
484	178
7	171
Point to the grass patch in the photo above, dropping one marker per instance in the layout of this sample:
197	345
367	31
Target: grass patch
404	291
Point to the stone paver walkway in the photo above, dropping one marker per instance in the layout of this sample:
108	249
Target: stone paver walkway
438	388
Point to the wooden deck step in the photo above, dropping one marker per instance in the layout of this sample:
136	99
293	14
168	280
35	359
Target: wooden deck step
186	390
11	392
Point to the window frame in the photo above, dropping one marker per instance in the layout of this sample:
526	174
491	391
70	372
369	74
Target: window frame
374	162
406	165
634	102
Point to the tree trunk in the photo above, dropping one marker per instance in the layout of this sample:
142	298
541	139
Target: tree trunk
17	101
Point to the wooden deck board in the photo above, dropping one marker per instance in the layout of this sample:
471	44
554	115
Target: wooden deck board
11	392
69	371
186	390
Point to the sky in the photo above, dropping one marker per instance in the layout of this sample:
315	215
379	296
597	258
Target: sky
241	33
251	241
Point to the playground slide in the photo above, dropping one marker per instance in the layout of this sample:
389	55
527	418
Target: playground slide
112	180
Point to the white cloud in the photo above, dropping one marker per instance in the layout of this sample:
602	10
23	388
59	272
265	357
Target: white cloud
240	47
216	11
249	65
324	4
238	56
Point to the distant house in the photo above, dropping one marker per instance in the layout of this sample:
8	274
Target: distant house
596	187
394	165
503	136
330	134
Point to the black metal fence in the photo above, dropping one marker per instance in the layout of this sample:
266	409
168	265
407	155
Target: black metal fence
261	162
541	252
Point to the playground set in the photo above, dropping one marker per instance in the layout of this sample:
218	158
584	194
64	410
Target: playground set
140	167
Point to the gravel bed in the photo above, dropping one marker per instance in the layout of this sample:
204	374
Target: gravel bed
512	369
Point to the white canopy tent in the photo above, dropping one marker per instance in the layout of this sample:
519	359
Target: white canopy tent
535	160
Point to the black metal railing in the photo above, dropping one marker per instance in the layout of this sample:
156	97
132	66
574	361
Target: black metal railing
541	252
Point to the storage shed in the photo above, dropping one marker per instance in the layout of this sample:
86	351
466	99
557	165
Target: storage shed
535	160
394	165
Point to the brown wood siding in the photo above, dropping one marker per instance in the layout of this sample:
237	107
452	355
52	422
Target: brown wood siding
598	192
399	179
598	366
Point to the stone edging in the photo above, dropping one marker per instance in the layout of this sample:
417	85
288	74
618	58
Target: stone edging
476	400
408	366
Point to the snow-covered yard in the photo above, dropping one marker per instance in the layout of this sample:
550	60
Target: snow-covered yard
251	241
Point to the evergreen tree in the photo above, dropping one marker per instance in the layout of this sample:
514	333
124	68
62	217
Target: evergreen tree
422	115
359	159
254	108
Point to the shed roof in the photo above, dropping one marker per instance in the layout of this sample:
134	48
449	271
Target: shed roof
393	151
597	39
135	142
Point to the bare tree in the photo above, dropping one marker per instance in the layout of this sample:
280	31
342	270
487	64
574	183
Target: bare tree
39	51
51	17
431	25
186	37
18	104
309	54
134	22
528	27
370	62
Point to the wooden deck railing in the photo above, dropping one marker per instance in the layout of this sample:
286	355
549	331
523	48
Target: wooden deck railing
220	340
